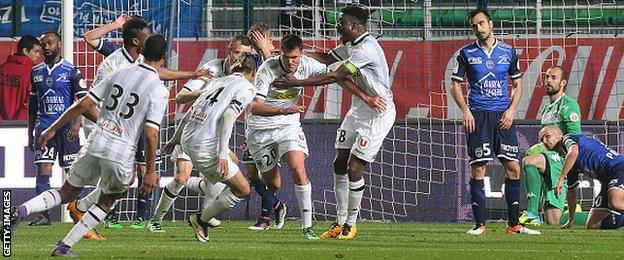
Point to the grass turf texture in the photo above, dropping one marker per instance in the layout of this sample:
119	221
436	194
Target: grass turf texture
375	241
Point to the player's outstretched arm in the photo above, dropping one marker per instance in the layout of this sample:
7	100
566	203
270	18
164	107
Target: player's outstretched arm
168	74
321	57
72	113
260	108
150	178
458	97
94	37
186	96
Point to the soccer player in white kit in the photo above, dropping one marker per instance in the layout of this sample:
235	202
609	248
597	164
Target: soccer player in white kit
273	129
359	138
239	46
134	99
205	132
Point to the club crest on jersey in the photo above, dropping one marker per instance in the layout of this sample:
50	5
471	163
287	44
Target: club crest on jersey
489	64
574	117
479	152
474	60
364	142
49	81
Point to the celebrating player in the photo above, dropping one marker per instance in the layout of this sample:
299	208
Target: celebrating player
359	138
599	161
238	47
488	63
205	132
541	166
56	83
134	98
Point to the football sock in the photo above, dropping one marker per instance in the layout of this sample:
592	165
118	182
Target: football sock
42	183
224	201
304	197
44	201
94	215
512	195
269	200
477	197
143	201
196	184
212	190
169	194
91	198
533	180
356	189
341	190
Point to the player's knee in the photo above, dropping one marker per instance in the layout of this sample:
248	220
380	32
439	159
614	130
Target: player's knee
274	184
181	179
242	191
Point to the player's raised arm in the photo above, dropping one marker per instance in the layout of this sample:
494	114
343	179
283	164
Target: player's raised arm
94	37
72	113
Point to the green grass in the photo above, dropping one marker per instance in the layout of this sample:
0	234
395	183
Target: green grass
375	241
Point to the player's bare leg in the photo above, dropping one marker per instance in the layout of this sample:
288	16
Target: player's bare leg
552	215
238	189
512	195
96	214
341	190
303	190
477	197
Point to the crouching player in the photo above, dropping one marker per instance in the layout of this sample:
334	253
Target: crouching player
601	163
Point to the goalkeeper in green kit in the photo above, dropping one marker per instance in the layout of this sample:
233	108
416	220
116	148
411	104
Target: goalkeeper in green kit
541	166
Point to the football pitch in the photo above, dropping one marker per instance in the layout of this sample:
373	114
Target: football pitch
375	241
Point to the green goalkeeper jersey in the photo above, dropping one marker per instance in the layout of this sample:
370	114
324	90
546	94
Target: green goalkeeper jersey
565	114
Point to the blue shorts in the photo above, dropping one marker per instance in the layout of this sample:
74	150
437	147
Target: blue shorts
489	140
59	145
616	181
139	156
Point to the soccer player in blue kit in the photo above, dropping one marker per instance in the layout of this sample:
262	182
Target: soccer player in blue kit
488	117
600	162
56	83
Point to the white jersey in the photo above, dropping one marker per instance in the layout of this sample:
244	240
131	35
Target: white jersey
367	57
117	60
201	132
217	66
270	70
131	97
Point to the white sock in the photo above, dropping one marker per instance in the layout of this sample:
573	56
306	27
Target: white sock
196	184
224	201
341	190
85	203
211	192
356	189
44	201
91	218
168	196
304	197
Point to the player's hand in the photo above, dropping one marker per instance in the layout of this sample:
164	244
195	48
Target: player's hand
73	131
46	135
378	104
265	44
223	167
203	74
293	110
121	20
567	225
558	188
468	121
243	145
150	181
284	82
507	119
168	148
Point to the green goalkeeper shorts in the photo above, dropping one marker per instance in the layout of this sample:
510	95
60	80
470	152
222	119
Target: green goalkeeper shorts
554	165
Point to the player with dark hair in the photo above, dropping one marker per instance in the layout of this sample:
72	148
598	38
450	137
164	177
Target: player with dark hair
488	116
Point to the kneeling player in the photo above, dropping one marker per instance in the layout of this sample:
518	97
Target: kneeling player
600	162
205	133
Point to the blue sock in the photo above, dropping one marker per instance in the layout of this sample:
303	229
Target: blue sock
42	183
512	194
143	203
477	197
269	200
613	221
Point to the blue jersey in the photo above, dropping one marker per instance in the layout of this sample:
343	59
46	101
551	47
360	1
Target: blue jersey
594	158
487	74
55	89
106	48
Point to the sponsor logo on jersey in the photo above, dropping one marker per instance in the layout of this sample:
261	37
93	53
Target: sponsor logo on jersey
38	78
509	148
63	77
111	127
474	60
503	59
199	116
287	94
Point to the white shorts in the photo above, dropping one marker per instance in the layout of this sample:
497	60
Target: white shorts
267	146
115	177
364	136
178	154
209	167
